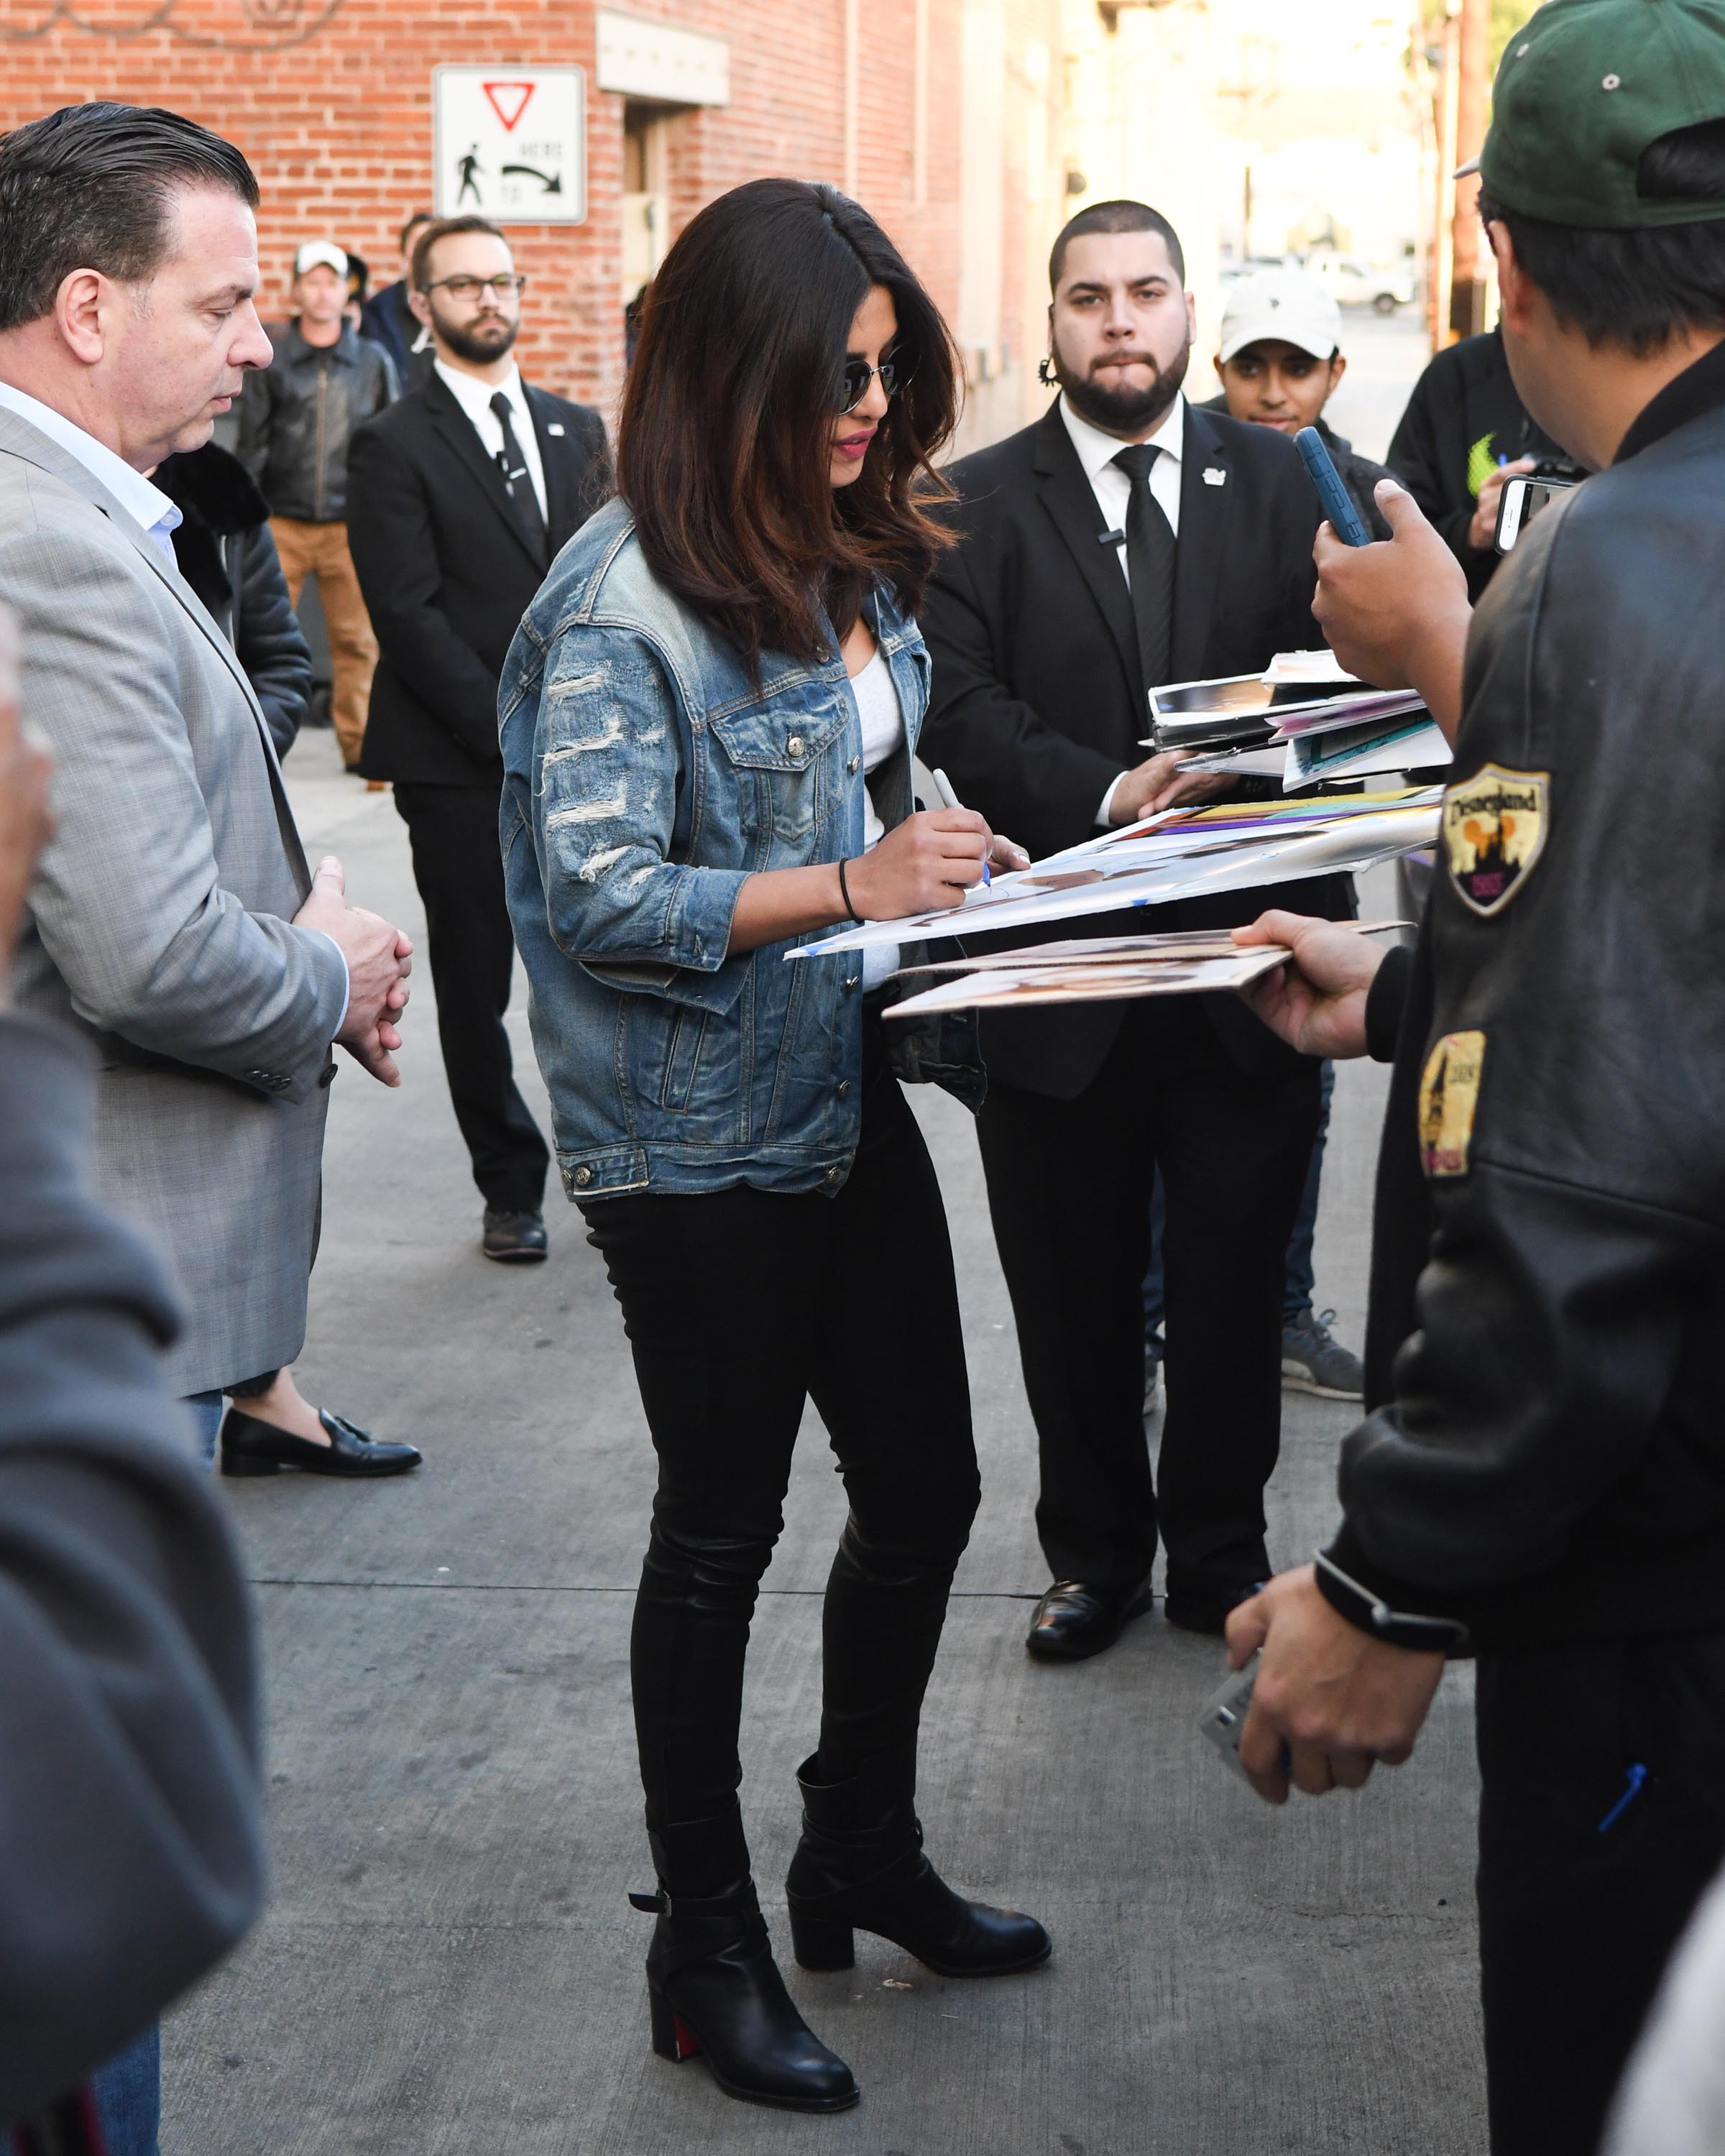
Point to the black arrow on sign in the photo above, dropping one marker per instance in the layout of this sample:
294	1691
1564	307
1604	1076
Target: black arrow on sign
552	182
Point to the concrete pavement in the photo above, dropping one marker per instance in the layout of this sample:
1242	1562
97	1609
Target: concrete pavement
448	1963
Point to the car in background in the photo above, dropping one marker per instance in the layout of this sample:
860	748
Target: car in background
1352	283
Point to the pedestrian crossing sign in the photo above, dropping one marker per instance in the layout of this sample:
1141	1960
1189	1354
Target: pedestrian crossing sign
510	143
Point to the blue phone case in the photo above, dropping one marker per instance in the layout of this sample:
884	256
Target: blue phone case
1337	502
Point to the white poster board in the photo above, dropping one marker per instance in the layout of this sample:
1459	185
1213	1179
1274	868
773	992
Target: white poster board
510	143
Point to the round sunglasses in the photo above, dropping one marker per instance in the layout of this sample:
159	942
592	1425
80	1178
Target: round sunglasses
894	373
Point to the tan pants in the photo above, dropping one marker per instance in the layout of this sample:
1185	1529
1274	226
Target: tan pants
321	551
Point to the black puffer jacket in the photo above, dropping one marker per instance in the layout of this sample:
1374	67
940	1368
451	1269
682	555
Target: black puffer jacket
1548	1463
298	416
226	554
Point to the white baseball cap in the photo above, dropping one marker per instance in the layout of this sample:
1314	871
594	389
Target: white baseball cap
320	254
1289	304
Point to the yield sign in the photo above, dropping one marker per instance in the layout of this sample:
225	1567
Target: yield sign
508	100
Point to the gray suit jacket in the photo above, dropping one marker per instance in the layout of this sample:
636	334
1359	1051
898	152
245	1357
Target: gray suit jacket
160	920
132	1847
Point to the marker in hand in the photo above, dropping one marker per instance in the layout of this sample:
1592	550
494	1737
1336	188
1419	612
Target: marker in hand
949	799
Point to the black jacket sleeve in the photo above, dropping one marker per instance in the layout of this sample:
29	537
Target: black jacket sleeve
269	642
1427	450
1578	1182
394	549
256	409
130	1842
1043	789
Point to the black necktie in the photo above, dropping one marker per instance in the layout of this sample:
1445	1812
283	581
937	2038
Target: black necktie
519	480
1150	564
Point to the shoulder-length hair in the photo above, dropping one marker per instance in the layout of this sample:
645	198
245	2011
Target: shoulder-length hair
724	445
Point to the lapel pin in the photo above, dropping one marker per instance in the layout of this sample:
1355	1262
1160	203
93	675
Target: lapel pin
1214	475
553	430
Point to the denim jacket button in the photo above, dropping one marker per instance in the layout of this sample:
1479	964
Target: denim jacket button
794	747
583	1176
843	1089
832	1175
852	983
854	766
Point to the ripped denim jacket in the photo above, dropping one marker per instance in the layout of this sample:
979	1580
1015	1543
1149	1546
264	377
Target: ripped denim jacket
645	779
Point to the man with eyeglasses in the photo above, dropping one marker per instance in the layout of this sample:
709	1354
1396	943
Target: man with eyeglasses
460	496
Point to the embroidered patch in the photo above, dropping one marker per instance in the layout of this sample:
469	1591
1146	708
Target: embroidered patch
1494	830
1449	1093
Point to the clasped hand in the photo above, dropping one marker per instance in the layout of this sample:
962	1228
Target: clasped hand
379	959
1329	1701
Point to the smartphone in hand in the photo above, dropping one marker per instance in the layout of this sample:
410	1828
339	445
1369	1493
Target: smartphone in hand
1337	502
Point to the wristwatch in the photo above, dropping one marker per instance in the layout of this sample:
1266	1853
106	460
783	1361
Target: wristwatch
1396	1628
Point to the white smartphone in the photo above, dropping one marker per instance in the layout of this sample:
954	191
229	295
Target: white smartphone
1521	501
1224	1713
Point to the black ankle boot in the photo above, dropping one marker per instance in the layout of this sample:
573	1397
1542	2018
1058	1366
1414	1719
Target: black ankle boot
712	1985
860	1866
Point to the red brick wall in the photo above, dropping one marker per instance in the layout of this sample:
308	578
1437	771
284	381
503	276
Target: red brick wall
331	99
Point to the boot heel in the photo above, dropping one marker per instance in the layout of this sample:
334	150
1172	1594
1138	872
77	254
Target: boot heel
822	1942
237	1463
672	2036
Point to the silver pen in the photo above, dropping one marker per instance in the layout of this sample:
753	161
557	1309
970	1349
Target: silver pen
949	799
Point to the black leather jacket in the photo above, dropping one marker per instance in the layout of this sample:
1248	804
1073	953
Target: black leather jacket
1550	1463
225	552
297	416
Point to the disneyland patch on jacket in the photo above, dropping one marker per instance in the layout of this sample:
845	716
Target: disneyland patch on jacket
1494	827
1449	1093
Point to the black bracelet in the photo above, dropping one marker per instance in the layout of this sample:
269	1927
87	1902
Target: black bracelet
844	893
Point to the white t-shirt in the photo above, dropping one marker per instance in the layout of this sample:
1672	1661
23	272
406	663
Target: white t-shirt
883	734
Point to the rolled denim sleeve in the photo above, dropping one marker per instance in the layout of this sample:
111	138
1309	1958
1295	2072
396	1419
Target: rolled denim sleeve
614	793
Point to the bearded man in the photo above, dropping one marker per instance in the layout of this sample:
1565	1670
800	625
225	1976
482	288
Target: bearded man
459	497
1127	540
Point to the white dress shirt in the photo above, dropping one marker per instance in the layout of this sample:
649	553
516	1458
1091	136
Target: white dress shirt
475	398
1113	489
149	508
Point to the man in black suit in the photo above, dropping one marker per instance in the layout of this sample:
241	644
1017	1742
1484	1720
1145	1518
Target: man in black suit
1127	539
460	495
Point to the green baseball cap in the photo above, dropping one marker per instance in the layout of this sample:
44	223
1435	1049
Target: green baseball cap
1582	91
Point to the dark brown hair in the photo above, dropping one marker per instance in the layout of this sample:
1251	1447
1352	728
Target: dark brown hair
1640	286
724	445
446	228
1114	217
91	188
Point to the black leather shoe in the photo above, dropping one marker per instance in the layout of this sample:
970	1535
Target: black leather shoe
1205	1610
714	1989
251	1446
1073	1622
859	1866
514	1239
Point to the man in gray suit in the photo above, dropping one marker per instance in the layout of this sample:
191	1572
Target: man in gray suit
131	1845
173	923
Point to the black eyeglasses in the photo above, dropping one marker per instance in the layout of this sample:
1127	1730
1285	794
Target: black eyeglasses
470	288
894	373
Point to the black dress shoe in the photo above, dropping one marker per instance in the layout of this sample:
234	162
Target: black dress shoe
251	1446
1073	1620
514	1239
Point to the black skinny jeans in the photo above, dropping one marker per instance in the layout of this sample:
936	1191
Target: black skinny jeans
741	1304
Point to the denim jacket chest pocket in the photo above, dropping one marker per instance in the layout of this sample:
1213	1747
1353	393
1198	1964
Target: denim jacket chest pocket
784	757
